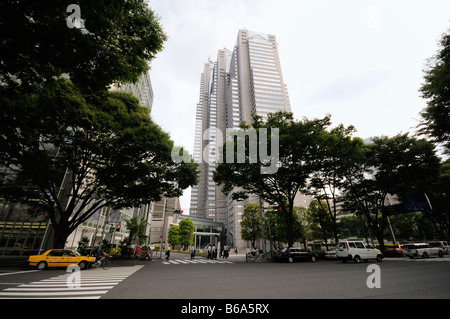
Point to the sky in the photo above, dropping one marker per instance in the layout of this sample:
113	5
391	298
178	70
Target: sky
360	61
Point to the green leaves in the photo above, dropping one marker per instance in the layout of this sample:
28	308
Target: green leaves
118	40
186	232
333	166
115	155
251	223
403	164
436	91
298	154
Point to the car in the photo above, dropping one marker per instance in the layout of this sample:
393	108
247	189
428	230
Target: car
442	244
393	250
423	250
295	254
60	258
357	251
331	254
406	248
132	250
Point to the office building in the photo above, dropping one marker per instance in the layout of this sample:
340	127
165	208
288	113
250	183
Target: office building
247	80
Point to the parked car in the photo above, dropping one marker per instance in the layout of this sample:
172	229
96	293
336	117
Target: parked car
357	251
295	254
393	250
442	244
424	250
330	254
59	258
406	248
132	250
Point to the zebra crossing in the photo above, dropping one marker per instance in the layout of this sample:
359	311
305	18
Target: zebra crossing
195	261
87	284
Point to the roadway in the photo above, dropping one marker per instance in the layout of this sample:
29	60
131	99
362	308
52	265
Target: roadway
234	279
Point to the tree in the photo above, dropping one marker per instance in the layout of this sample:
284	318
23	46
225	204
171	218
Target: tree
115	44
319	221
186	232
399	165
101	146
107	151
275	226
439	196
338	156
251	223
174	235
136	230
435	90
294	159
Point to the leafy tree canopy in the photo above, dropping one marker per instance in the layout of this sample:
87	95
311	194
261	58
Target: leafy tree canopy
107	151
436	91
114	45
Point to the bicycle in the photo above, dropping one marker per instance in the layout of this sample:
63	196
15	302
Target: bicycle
251	256
105	264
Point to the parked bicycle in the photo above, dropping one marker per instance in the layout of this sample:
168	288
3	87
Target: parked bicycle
252	256
105	263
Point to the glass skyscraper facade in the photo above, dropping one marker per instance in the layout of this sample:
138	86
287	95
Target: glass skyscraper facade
240	82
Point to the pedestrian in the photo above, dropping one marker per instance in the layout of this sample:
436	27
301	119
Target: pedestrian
227	251
214	252
209	252
168	252
192	252
147	254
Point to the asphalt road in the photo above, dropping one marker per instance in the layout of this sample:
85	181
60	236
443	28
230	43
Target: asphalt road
237	280
324	279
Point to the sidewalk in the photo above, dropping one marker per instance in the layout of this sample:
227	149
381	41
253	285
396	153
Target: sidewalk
13	261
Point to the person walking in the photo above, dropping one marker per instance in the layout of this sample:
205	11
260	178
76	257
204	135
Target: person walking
209	252
168	252
147	254
214	252
192	252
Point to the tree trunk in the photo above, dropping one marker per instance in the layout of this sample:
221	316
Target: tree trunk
59	238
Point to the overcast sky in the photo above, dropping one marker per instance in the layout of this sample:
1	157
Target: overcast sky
360	61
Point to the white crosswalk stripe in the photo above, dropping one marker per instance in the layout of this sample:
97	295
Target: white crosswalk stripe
92	284
195	261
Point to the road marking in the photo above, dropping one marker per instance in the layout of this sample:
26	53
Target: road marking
92	285
196	261
18	272
41	294
21	288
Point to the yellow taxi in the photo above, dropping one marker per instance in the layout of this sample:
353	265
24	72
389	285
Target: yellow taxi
59	258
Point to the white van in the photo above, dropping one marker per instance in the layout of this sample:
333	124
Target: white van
441	244
357	251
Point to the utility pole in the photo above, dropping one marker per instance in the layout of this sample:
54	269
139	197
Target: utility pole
106	222
261	210
164	228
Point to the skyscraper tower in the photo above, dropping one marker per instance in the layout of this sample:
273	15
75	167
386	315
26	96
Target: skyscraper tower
242	82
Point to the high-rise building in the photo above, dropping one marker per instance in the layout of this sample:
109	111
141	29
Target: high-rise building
241	82
142	89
